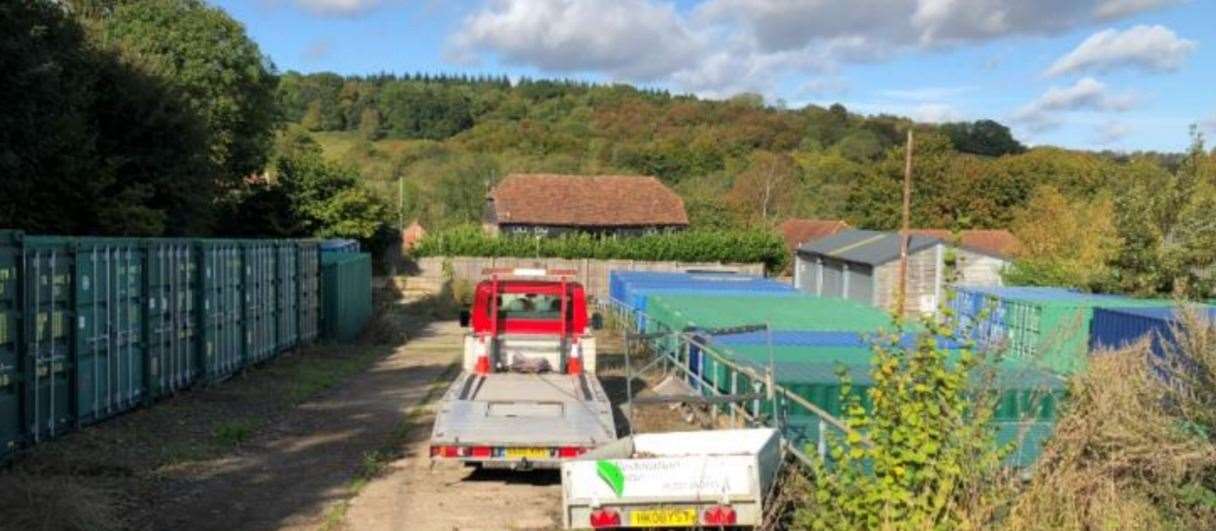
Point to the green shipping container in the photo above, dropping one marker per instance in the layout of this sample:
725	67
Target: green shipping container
92	327
10	376
109	347
222	316
259	262
172	316
347	296
47	344
678	312
287	296
310	291
1025	411
1055	333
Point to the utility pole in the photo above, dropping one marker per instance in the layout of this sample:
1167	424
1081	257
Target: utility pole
401	203
903	230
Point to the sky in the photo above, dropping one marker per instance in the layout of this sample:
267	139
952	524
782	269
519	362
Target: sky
1124	75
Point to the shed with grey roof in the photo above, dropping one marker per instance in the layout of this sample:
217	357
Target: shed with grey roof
863	265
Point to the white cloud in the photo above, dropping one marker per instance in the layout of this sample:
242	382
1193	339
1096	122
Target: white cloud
1120	8
1111	132
1154	48
634	39
723	46
1210	123
1086	94
338	7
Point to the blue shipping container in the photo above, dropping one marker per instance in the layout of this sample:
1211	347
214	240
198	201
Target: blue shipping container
1114	329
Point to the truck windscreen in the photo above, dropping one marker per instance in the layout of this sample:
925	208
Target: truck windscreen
529	306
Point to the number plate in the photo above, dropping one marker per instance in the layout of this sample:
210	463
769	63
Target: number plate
663	518
527	453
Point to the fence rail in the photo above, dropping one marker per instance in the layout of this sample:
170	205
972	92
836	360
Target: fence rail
675	350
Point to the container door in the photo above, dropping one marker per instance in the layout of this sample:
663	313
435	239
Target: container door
309	303
221	310
11	431
172	363
48	340
109	329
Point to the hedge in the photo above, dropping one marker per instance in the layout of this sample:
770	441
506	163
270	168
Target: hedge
685	246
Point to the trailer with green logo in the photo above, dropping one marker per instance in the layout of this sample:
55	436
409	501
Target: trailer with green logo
699	479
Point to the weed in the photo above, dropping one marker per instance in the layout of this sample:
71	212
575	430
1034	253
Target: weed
233	433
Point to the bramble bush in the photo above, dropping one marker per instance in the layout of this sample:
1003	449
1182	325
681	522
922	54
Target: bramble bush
686	246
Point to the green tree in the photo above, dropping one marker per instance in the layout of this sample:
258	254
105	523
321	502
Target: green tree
89	145
206	55
982	137
1064	242
46	144
369	124
766	190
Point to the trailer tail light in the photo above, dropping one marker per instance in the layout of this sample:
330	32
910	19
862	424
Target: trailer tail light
481	451
449	451
605	518
719	515
570	451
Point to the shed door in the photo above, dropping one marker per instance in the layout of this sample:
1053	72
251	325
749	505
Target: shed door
861	283
806	275
833	278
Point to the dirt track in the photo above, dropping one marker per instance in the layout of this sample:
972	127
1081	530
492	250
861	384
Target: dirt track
292	475
413	495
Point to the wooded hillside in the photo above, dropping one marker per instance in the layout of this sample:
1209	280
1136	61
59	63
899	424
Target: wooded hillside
130	117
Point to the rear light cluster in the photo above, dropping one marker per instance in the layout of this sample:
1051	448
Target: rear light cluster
486	452
602	518
719	515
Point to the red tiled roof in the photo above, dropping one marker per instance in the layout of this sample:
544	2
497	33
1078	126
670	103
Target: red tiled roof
586	201
799	231
995	242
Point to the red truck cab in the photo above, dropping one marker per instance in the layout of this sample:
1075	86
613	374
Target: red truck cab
518	303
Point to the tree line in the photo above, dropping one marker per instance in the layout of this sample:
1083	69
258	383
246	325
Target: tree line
162	117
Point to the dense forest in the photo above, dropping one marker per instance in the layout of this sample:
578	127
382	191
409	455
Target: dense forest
162	117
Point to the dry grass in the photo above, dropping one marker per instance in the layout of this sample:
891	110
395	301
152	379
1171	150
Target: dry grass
54	503
1129	452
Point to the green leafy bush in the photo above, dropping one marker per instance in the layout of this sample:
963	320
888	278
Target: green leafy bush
923	455
687	246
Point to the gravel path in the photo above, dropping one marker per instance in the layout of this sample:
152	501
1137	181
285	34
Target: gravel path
291	474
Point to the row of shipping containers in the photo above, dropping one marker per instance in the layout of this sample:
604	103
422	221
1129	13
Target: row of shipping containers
1047	326
92	327
805	341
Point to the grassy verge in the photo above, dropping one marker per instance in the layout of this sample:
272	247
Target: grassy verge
113	475
375	462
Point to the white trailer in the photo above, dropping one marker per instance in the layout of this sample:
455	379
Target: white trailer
679	479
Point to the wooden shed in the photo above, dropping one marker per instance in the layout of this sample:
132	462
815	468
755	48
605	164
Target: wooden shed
863	265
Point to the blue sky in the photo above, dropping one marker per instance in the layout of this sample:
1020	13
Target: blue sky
1093	74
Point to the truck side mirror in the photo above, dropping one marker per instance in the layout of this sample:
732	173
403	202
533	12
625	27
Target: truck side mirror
597	321
464	318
